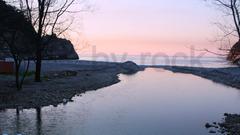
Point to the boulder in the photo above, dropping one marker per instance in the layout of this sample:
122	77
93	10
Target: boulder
129	67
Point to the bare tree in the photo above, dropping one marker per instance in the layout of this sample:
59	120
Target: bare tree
230	8
18	35
48	17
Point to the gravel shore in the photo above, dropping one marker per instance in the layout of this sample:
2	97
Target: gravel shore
61	81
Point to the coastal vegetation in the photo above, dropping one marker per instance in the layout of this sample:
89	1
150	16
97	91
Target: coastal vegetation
28	30
230	29
45	17
18	36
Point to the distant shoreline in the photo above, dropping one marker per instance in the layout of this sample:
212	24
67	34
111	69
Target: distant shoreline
228	76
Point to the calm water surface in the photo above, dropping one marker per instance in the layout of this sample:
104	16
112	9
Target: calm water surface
153	102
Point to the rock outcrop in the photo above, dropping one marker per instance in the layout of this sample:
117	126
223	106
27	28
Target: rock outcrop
59	48
234	54
56	49
129	67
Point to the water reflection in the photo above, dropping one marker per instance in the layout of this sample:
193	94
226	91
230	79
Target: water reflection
16	121
39	121
146	103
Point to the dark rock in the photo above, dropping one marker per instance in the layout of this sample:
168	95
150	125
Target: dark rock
230	124
212	132
222	132
226	114
207	125
129	67
210	126
59	48
56	48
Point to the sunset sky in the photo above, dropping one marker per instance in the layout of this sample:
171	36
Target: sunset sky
141	26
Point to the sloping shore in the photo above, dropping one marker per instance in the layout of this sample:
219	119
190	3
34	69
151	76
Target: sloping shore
61	81
227	76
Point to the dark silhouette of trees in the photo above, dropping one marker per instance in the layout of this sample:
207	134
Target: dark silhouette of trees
45	16
18	35
231	9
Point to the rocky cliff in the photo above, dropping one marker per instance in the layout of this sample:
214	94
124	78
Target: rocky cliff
59	48
55	48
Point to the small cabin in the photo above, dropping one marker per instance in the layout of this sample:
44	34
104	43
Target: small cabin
6	66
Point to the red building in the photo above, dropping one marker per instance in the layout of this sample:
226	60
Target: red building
6	67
